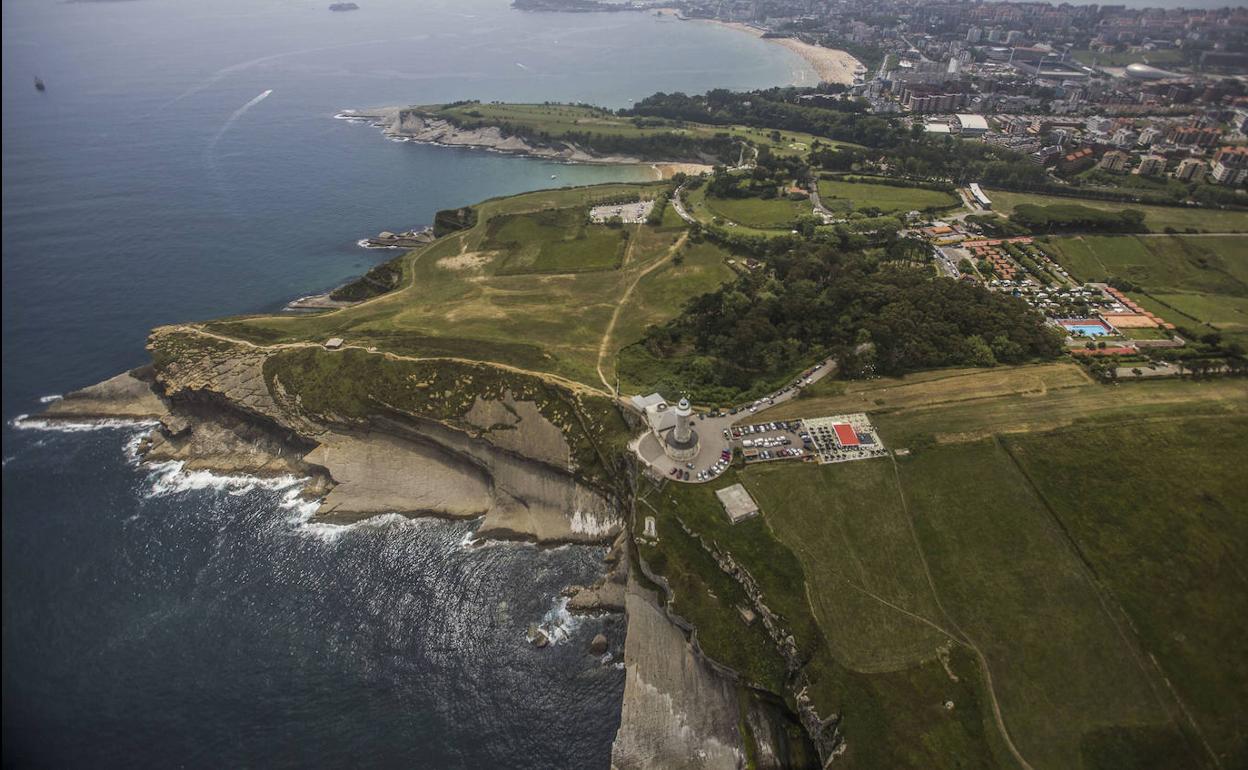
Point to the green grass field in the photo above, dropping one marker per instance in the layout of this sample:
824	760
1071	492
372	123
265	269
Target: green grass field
1157	218
1189	281
886	198
1217	264
1067	649
555	241
1169	545
759	213
1011	584
457	297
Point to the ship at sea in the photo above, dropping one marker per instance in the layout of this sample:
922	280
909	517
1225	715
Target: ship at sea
39	86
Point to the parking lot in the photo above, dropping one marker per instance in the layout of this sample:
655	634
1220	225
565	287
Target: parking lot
628	213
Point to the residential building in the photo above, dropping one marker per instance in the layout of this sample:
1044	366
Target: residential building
1230	166
1190	170
1151	165
1115	161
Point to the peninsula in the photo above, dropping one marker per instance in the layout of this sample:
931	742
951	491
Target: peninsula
830	405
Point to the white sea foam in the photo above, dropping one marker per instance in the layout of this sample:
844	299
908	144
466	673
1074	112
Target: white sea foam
364	244
171	478
558	624
26	422
51	398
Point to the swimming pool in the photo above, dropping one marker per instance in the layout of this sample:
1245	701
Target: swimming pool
1087	328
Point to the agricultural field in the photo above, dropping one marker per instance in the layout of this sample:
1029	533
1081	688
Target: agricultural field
1156	218
1190	281
888	199
461	296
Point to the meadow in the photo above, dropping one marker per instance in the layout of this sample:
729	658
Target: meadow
760	213
1189	281
1156	218
886	198
957	573
485	293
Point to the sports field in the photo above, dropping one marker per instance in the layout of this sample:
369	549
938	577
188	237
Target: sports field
886	198
1157	218
464	295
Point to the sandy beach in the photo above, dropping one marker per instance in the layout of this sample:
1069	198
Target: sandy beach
668	170
830	64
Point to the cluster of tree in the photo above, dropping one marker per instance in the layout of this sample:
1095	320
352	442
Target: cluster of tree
1071	217
995	226
655	217
451	220
917	156
776	108
869	312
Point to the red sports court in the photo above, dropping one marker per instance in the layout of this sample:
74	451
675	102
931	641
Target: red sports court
845	435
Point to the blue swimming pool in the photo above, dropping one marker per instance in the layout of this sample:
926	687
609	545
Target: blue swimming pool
1087	328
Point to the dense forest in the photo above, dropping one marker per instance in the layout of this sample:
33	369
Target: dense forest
876	315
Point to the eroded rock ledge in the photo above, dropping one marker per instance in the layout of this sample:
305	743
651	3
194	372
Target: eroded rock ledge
502	460
409	123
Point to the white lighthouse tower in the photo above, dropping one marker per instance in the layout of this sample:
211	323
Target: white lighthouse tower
682	441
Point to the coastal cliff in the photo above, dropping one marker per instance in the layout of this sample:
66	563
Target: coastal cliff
411	124
395	443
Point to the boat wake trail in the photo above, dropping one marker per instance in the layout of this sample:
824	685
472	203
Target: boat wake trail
212	144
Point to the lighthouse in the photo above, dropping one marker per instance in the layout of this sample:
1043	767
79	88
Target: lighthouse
682	441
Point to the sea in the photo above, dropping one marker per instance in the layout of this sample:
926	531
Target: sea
184	162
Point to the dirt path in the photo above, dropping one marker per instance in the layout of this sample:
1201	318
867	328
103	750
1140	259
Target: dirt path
961	635
604	347
572	385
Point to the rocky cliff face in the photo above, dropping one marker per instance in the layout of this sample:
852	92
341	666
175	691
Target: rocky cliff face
418	127
504	460
682	711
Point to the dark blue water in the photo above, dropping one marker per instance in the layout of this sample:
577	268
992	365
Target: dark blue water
153	619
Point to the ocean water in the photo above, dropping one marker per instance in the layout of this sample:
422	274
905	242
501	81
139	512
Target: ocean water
184	163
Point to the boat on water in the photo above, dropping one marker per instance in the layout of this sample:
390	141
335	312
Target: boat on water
554	176
39	86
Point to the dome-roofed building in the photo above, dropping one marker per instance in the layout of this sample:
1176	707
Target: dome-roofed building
1141	71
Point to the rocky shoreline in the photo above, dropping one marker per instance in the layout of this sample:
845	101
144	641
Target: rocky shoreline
215	412
407	124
